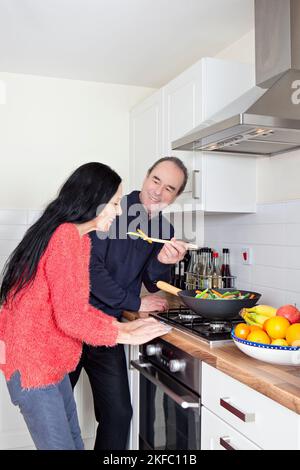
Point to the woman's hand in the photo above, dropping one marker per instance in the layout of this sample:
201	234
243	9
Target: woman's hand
140	331
133	325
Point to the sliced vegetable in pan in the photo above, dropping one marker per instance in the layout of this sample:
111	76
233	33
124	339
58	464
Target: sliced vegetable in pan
212	294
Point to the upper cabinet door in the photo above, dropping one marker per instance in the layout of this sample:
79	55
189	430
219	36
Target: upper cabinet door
145	137
183	104
182	100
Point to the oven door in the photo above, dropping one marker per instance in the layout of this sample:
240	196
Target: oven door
169	412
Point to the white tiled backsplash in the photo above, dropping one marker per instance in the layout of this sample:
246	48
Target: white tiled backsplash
273	234
13	225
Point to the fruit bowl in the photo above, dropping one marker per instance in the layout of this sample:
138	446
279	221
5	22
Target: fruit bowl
280	355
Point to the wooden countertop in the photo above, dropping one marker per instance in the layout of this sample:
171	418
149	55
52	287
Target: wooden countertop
280	383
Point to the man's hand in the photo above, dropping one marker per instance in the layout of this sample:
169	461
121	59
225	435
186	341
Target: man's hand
153	303
173	252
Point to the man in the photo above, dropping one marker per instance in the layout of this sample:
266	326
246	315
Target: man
119	266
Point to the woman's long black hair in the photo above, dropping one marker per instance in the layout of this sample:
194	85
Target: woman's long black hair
91	185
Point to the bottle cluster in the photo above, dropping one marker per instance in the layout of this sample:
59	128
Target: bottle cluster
203	269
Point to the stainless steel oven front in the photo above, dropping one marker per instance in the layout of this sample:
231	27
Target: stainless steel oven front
169	404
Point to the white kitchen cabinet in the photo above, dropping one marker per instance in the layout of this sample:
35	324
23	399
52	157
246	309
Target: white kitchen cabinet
262	421
229	183
182	106
218	435
145	137
215	182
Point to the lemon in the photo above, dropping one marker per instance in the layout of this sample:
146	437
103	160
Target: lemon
279	342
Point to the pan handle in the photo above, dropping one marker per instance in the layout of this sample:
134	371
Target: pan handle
162	285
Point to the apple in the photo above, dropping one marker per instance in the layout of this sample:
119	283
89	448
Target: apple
290	312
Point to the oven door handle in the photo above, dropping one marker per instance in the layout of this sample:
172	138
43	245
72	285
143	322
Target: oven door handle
184	402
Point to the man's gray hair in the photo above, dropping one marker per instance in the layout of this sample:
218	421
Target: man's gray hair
179	163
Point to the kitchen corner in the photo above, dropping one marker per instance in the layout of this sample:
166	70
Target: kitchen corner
280	383
269	392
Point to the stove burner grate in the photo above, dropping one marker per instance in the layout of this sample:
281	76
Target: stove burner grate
187	317
187	320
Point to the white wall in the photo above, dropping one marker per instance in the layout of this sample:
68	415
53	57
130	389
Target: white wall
273	235
277	177
50	126
242	50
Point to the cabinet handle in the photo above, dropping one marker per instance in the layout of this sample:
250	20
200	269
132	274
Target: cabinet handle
196	184
225	442
246	417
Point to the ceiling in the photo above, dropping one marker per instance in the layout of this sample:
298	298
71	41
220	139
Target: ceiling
133	42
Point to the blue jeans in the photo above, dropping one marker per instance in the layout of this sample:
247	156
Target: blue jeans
107	372
50	414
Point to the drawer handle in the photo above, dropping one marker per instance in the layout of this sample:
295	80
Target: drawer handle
225	442
246	417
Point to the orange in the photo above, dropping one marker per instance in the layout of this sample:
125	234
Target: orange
255	328
279	342
276	327
259	337
293	333
242	330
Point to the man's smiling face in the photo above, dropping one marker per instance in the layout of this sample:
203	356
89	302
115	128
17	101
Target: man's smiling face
160	188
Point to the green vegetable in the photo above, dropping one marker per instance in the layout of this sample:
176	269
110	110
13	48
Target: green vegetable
199	296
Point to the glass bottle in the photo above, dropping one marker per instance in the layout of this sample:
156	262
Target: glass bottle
204	268
225	270
181	284
176	275
209	268
186	262
216	272
206	271
190	273
199	268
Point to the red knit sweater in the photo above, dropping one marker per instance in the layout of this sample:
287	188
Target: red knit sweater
44	327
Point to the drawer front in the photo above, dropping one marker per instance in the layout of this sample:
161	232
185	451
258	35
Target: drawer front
260	419
218	435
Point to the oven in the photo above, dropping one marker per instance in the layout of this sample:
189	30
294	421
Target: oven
169	405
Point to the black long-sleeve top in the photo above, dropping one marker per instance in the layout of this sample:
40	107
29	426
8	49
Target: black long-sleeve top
121	263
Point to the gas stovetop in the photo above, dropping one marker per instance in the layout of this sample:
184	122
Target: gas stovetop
213	332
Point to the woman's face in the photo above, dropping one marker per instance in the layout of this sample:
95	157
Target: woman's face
109	212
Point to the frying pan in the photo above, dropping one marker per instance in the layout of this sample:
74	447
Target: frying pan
208	308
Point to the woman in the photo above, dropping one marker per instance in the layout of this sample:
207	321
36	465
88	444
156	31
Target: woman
46	315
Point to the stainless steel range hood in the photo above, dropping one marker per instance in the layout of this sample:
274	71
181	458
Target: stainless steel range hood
265	120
